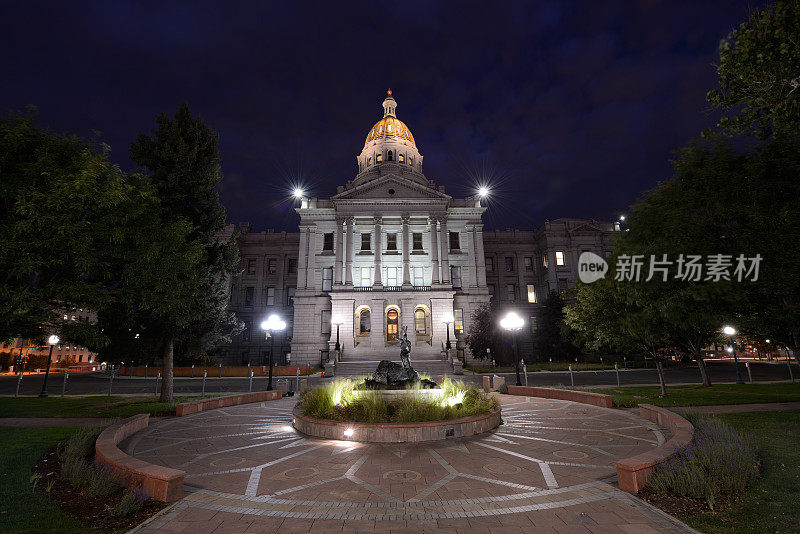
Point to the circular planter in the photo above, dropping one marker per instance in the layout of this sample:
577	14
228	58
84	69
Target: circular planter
396	432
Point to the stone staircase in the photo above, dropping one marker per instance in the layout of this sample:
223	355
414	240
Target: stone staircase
366	367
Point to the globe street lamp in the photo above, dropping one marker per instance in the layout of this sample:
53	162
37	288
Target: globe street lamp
730	332
448	319
271	325
513	323
338	321
52	341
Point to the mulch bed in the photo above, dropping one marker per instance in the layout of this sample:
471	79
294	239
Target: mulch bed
88	509
679	506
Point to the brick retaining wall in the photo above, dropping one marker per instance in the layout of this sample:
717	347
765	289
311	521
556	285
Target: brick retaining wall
158	482
633	473
187	408
584	397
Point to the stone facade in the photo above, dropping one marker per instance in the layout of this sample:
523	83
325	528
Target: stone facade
390	250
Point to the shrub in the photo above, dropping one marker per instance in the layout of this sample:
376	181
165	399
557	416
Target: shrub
720	461
79	445
77	468
130	503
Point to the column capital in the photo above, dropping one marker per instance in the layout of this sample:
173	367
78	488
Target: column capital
340	219
377	219
406	218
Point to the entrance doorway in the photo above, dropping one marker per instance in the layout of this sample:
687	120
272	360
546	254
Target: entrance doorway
391	324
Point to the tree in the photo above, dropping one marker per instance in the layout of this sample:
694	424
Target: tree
63	208
759	74
177	270
548	339
484	333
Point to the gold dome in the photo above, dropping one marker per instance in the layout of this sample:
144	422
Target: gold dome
389	127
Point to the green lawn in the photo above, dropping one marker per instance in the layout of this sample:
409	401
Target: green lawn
696	395
23	510
773	504
94	406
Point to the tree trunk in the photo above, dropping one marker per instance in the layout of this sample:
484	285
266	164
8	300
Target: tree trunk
166	377
660	370
701	363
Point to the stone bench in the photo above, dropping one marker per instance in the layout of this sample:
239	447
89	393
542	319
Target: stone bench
633	473
157	482
186	408
583	397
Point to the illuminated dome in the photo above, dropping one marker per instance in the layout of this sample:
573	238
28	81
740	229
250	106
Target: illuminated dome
389	141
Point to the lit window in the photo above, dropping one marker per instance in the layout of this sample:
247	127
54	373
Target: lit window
369	161
458	325
544	260
531	293
327	278
419	321
378	158
365	241
400	158
559	257
391	241
389	129
327	241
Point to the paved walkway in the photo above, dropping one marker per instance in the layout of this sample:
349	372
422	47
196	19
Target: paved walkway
54	421
548	469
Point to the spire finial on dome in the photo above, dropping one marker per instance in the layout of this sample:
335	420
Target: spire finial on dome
389	105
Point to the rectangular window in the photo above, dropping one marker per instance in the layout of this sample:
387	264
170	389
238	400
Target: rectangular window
272	266
533	325
327	241
325	319
366	276
454	243
270	296
489	264
327	278
419	276
559	257
391	276
511	292
458	325
248	295
391	241
246	331
531	293
562	285
509	263
491	292
417	239
544	260
290	295
455	276
251	266
365	241
291	266
528	263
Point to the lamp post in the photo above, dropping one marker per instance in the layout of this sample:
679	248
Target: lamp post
730	332
52	341
337	321
513	323
448	319
271	325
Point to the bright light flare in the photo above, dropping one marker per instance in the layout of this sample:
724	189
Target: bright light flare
298	192
483	191
53	340
337	320
621	217
729	349
729	331
512	321
273	324
448	318
348	433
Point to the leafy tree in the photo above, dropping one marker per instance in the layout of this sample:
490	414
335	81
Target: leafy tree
549	339
176	271
63	208
484	333
759	73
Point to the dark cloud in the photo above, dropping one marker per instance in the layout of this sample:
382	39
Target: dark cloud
569	109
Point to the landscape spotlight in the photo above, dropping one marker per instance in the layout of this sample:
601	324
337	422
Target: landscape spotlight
348	433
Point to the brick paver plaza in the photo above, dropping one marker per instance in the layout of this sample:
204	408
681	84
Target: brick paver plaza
548	468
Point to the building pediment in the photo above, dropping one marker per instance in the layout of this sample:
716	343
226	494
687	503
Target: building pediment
391	187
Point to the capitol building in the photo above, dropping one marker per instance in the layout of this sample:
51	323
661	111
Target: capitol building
392	250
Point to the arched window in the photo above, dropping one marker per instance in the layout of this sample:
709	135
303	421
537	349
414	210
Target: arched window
369	161
364	322
419	321
400	158
411	160
378	158
389	156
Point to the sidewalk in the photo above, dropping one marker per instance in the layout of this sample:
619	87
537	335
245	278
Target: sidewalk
53	421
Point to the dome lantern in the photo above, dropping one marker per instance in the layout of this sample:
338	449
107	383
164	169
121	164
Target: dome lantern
389	105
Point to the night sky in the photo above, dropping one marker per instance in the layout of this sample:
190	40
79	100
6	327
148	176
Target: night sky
566	109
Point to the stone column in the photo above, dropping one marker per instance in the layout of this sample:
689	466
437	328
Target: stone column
378	244
339	245
445	244
473	263
406	266
310	256
348	270
434	252
480	255
301	258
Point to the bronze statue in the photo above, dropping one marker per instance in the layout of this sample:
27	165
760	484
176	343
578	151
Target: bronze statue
405	348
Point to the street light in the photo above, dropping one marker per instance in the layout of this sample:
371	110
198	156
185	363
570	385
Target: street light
52	341
483	191
338	321
271	325
730	332
513	323
448	319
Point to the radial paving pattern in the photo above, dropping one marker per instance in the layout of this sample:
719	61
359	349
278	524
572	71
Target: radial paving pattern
550	465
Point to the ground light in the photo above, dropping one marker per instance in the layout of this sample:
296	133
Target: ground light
348	433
